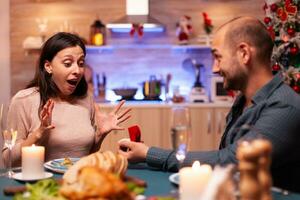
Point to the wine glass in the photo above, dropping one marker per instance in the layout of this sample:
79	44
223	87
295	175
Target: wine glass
9	137
180	131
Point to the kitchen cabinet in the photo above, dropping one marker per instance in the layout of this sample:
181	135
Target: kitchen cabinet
207	125
151	121
220	123
202	125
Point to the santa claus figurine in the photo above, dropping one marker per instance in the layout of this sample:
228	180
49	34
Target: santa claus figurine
184	29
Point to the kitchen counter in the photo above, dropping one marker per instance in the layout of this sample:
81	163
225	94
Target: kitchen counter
158	104
154	119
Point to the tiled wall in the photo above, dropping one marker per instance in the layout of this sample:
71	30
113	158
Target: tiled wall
122	66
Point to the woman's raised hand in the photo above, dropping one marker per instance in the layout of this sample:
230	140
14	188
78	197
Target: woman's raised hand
110	121
46	117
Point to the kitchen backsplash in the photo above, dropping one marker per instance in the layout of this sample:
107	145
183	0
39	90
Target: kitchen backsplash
139	62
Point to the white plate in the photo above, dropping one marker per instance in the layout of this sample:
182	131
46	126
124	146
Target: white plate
174	178
19	177
57	166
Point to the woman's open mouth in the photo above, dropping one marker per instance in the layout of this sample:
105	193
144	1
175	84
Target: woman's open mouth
72	82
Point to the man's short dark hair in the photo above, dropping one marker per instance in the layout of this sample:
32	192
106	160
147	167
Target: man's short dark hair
253	32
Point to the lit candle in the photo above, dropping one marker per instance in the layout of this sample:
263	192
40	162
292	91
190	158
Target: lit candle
33	162
193	180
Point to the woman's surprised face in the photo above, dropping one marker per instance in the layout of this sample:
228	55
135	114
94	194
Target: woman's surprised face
67	69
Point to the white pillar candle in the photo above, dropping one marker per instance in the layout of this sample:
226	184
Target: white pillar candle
193	180
33	162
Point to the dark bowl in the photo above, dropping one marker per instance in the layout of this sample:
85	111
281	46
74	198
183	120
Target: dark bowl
125	93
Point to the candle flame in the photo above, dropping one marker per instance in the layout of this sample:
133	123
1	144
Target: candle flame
14	134
196	165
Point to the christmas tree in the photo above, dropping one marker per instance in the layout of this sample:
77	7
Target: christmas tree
283	22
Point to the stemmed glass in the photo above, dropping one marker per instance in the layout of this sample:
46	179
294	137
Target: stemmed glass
180	131
9	137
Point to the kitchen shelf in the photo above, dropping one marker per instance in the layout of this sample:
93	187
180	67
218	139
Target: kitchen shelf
190	48
110	48
32	51
174	48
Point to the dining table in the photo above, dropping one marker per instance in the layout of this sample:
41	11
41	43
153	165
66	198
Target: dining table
158	184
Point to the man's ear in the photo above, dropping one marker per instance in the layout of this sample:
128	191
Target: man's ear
244	52
48	67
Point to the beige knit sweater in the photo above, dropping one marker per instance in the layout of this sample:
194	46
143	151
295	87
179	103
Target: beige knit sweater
74	132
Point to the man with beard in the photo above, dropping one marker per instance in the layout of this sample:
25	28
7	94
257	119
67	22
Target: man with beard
266	106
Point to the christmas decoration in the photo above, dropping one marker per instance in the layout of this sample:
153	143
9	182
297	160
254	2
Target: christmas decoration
274	7
184	29
276	67
139	28
294	50
267	20
291	31
207	23
283	23
296	88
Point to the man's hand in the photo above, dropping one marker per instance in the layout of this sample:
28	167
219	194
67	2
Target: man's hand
111	121
137	151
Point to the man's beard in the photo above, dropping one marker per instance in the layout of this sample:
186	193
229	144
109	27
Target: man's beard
236	81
